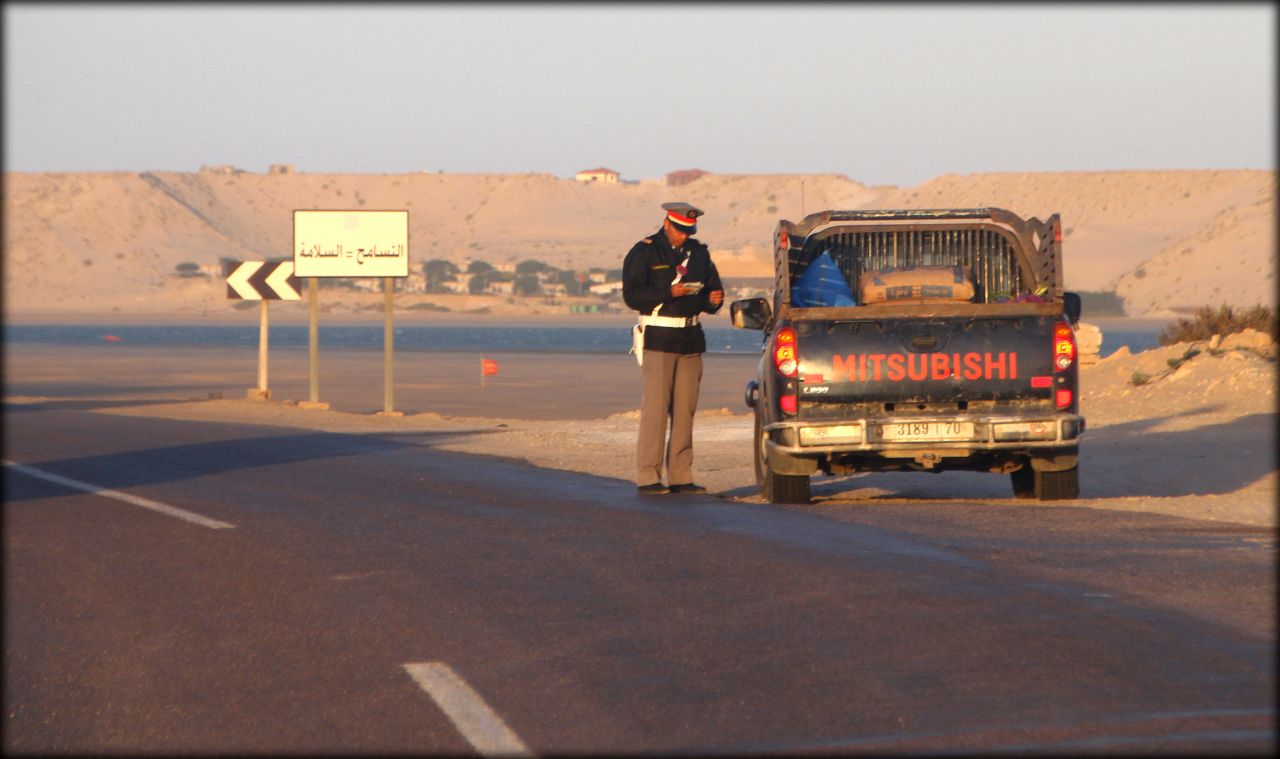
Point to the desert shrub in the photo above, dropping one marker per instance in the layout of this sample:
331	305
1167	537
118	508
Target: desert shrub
1138	379
1174	363
188	269
1223	320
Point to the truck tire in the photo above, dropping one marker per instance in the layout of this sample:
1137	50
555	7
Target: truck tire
787	488
1058	486
1046	486
1024	481
777	488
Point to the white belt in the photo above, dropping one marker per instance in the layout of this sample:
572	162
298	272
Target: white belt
668	321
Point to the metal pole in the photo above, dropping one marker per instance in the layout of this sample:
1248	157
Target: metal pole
387	336
313	289
262	350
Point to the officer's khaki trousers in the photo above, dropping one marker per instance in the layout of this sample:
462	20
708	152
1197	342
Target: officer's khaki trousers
671	382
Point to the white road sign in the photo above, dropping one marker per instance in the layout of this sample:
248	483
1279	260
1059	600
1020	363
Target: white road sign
351	243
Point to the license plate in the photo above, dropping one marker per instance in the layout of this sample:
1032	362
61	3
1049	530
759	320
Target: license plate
831	435
927	431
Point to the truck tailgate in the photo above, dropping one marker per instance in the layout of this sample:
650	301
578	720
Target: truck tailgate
946	360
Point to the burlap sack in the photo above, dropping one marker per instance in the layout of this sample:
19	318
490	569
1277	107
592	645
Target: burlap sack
916	283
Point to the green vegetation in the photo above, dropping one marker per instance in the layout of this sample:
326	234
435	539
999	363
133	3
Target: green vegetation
1174	363
1138	379
437	271
527	284
531	266
1223	320
479	281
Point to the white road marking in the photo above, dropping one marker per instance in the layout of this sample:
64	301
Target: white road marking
483	729
145	503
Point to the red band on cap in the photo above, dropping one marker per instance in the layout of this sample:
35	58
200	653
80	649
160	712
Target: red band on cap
677	218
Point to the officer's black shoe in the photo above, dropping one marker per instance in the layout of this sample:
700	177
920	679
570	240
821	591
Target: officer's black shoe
655	488
688	487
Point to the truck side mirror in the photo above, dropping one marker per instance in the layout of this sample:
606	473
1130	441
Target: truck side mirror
752	313
1071	307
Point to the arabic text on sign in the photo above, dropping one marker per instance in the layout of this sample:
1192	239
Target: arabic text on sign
358	254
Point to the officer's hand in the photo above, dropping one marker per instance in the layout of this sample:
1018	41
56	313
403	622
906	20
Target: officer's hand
679	290
716	297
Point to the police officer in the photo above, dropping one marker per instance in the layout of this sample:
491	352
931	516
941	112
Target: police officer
669	278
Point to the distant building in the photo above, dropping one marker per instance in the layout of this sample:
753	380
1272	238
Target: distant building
684	176
606	288
607	176
221	169
416	282
280	168
458	286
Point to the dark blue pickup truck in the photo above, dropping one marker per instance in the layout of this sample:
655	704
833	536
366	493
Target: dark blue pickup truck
916	340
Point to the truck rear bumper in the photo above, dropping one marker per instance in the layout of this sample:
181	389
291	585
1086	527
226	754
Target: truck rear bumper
795	445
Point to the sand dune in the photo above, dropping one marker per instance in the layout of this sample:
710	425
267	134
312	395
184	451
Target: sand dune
106	243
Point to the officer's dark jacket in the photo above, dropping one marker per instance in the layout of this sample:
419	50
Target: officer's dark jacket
647	272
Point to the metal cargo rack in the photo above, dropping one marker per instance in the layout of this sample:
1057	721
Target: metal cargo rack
1005	254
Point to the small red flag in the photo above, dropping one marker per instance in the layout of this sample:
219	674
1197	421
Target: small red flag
488	367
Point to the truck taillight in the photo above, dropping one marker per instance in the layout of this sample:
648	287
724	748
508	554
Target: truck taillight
1064	347
784	352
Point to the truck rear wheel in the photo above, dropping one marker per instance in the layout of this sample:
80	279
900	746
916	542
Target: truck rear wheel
786	488
1058	486
777	488
1046	486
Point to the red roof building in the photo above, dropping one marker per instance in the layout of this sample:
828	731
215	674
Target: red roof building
684	176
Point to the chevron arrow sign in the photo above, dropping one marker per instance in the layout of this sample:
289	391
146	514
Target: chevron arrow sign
261	280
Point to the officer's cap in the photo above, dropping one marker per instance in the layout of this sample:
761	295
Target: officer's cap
683	216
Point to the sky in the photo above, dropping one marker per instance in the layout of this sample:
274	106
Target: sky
882	94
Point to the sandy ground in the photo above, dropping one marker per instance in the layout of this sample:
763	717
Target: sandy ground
111	243
1197	440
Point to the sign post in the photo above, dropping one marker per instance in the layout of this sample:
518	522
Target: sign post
263	333
260	280
313	343
351	244
388	334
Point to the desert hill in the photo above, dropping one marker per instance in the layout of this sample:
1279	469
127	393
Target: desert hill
95	243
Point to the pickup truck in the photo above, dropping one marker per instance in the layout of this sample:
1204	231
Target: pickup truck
916	340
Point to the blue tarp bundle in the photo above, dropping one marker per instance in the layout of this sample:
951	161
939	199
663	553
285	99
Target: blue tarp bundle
822	284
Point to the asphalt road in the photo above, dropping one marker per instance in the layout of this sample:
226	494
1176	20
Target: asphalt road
361	594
